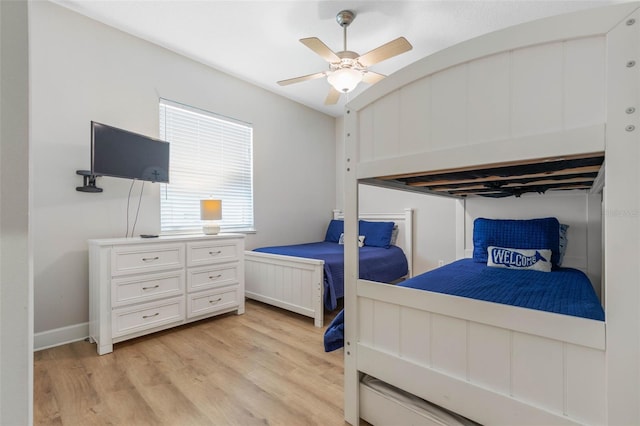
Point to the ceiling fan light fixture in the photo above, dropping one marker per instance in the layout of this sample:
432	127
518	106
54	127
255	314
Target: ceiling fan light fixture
345	79
347	68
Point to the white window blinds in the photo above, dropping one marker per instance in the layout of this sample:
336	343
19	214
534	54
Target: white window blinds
210	157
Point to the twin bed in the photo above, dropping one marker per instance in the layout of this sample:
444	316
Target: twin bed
309	278
533	280
544	108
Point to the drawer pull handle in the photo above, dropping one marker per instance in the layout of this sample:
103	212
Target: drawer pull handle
215	301
150	316
215	253
147	259
149	288
215	277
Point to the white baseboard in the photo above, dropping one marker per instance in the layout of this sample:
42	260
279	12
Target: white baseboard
60	336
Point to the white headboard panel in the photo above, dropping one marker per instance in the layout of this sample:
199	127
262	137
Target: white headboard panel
404	220
580	210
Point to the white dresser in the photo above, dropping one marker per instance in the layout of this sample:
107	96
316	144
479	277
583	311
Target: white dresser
139	286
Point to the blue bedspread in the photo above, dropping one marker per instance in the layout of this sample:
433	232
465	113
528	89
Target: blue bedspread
376	264
564	290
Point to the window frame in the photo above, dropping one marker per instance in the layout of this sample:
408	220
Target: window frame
211	156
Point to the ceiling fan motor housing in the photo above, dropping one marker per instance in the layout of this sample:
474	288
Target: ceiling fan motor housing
347	54
345	18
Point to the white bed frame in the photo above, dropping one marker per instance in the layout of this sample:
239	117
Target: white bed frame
297	284
547	89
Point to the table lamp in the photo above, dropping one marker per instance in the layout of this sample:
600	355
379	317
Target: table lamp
210	212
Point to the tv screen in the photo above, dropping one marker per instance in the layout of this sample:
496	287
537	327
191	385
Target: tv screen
120	153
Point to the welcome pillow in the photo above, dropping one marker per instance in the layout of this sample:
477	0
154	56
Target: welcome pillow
517	259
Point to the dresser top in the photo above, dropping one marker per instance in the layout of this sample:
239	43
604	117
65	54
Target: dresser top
162	238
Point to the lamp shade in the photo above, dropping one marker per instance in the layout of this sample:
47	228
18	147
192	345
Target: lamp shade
345	80
210	209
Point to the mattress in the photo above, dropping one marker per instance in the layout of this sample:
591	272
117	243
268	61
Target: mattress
564	291
376	264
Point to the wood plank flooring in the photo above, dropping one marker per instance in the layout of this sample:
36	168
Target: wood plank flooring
266	367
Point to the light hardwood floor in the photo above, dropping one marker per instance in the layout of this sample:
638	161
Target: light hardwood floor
267	366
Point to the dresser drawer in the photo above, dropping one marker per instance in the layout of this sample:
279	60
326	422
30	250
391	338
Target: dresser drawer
149	315
211	252
208	302
148	258
144	288
212	276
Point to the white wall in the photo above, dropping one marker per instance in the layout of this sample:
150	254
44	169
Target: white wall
16	280
82	70
434	232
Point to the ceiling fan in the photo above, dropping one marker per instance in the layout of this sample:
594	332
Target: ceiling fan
346	68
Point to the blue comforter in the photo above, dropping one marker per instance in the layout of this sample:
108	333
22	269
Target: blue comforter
376	264
564	291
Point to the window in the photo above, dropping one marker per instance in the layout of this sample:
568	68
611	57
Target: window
211	157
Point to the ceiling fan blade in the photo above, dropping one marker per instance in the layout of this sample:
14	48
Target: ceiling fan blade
302	78
386	51
332	97
372	77
320	48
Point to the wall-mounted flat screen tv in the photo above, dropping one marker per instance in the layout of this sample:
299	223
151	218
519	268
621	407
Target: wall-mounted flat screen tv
120	153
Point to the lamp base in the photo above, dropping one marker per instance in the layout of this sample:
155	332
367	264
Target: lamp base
210	229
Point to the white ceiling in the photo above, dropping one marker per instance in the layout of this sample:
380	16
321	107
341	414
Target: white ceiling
257	41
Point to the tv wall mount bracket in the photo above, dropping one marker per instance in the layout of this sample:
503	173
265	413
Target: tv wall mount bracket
88	181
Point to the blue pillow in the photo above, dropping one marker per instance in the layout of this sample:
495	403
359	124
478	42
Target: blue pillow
563	241
377	234
524	234
334	230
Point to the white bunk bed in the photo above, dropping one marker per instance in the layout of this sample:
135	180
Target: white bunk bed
541	92
296	283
